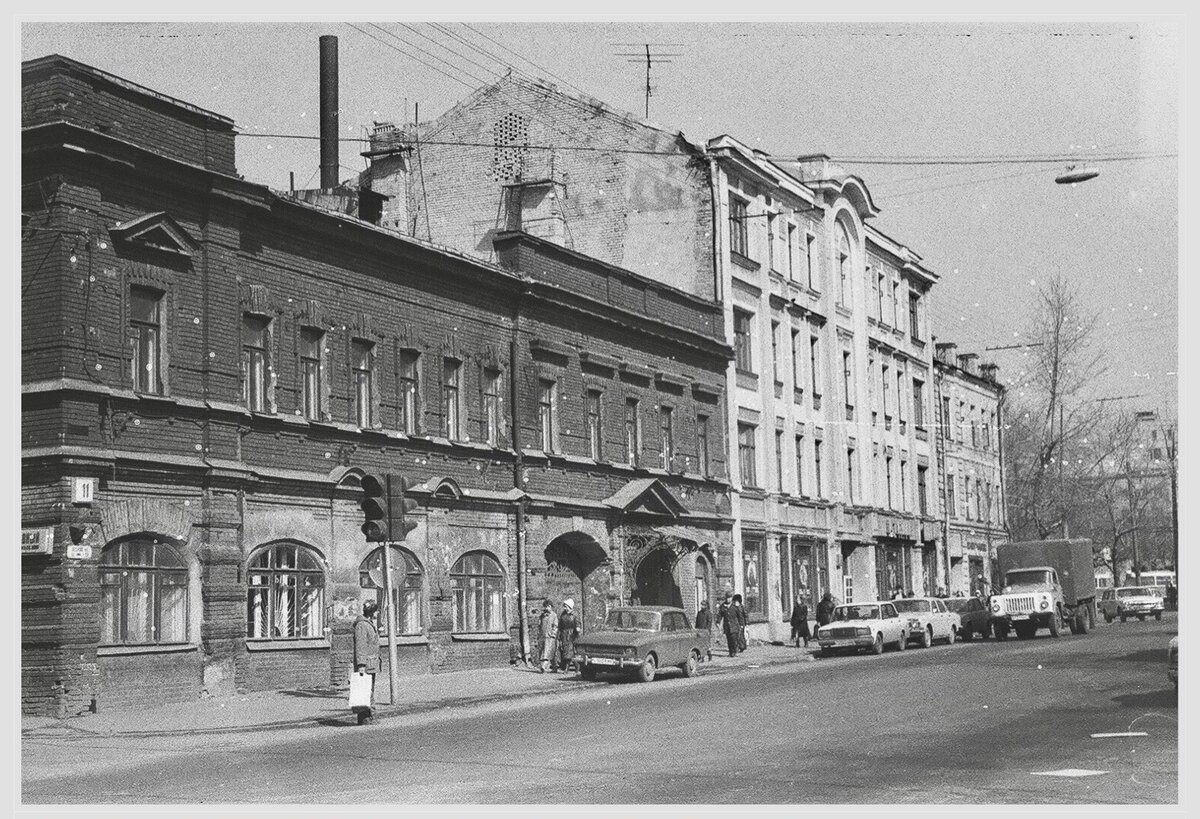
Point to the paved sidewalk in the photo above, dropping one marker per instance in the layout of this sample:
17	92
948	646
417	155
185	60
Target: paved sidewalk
302	708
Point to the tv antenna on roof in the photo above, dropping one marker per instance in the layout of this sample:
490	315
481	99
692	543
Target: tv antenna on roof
649	59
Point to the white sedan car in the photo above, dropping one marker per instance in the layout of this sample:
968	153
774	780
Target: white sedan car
929	619
864	625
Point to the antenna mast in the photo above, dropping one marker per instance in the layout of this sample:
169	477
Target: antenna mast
649	59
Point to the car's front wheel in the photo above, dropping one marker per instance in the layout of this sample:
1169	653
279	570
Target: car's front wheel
927	637
692	666
1108	618
647	669
877	647
965	634
903	644
999	631
951	636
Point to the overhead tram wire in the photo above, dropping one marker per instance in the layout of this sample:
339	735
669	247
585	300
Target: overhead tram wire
406	54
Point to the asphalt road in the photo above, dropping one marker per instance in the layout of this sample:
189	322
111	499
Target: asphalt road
980	723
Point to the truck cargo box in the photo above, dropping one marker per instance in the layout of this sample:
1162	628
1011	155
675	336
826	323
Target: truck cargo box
1072	559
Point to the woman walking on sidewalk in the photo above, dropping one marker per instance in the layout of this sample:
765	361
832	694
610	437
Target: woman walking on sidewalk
568	630
366	655
548	622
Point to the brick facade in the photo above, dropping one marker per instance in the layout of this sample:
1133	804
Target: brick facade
146	209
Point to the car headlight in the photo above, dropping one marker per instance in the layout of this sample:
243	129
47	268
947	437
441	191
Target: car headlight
630	652
996	606
914	623
1045	604
862	631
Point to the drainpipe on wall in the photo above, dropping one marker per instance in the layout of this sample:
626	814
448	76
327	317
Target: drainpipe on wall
518	477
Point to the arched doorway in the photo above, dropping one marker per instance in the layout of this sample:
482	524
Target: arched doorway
577	567
655	580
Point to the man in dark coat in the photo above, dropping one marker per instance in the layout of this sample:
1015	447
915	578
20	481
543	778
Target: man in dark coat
704	624
825	611
568	630
799	623
366	653
735	625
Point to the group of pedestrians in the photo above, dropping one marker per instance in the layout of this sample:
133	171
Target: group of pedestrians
558	633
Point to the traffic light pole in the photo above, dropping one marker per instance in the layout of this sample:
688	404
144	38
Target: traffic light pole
389	605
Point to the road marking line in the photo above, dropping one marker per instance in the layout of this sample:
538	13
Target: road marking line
1068	772
1121	734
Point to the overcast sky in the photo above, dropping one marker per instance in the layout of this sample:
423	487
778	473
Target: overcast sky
882	90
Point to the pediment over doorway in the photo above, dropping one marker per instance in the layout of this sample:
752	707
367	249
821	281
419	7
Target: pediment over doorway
647	496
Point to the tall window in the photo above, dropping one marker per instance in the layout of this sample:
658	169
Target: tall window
547	390
979	506
361	355
743	329
813	360
254	361
633	432
914	325
962	415
817	466
810	262
702	442
451	397
738	241
145	331
923	504
918	403
884	376
775	371
779	458
880	295
478	585
409	390
966	497
772	253
974	436
903	486
847	385
951	501
896	304
752	575
887	465
843	262
594	428
800	466
285	595
947	428
666	436
491	406
797	357
746	455
408	587
850	473
791	251
312	354
143	593
900	395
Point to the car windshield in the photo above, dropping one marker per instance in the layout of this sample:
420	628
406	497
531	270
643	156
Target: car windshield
1138	591
911	605
1028	577
856	613
632	620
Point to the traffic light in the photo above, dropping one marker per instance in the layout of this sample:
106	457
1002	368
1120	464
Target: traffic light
375	509
402	511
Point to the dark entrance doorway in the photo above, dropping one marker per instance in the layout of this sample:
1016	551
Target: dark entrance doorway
576	568
655	579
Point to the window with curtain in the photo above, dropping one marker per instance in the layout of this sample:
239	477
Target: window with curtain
738	234
285	595
362	354
451	397
408	588
312	344
145	331
143	593
478	585
594	430
491	406
409	390
255	362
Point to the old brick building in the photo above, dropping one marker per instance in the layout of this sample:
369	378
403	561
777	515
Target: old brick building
831	462
209	368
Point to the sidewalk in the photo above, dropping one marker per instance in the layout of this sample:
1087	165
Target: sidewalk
278	710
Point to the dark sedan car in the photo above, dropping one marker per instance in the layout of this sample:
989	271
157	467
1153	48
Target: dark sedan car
976	619
641	639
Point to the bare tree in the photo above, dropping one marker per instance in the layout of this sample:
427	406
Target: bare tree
1048	415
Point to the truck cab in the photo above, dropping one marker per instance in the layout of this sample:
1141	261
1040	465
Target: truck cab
1032	598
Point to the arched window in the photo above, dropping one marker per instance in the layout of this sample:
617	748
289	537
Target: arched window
143	593
843	262
408	587
478	584
286	593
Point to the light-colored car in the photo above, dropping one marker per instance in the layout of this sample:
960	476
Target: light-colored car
928	619
1131	601
864	625
641	639
1173	662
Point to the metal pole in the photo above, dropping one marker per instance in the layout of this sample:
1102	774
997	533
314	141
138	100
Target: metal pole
1137	563
1169	434
388	613
1062	497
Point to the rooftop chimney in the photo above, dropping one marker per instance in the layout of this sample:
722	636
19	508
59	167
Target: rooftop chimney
966	362
988	371
945	352
329	112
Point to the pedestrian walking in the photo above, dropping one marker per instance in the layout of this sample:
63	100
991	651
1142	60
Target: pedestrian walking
704	624
735	626
366	655
825	611
568	630
548	624
799	623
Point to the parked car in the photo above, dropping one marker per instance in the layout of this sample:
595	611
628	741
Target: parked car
974	617
1173	662
641	640
864	625
928	619
1131	601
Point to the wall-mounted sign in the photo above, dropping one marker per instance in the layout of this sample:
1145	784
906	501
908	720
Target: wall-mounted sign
38	540
79	552
84	490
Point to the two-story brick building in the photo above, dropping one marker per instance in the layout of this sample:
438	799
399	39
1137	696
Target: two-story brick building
209	368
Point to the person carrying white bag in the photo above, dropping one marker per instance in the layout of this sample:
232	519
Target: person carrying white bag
366	663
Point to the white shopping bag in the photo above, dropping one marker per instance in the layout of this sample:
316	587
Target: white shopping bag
360	689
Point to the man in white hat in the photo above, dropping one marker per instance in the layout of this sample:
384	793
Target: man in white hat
568	630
